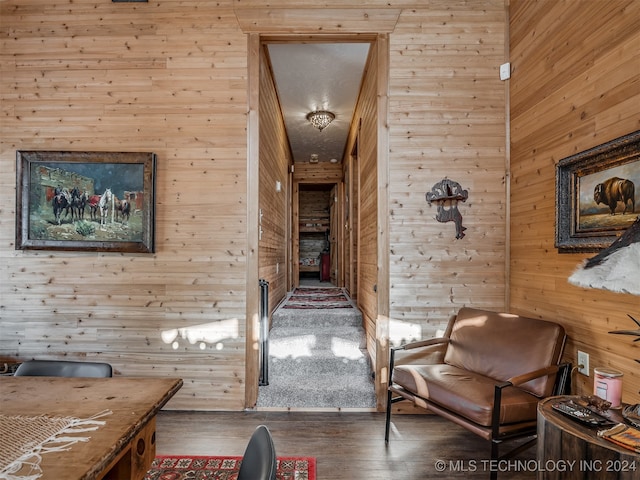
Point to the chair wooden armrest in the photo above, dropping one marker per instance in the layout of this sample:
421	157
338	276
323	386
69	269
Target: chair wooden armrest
527	377
497	400
422	343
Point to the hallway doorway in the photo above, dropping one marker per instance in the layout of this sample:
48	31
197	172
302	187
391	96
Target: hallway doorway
368	214
317	251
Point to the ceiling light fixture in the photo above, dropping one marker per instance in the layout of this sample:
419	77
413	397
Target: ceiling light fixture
320	118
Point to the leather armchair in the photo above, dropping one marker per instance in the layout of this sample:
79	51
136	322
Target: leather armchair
487	373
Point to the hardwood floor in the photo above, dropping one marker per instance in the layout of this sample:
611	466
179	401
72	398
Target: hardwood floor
348	446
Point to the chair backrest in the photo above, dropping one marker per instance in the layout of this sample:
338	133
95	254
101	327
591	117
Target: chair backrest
63	368
502	345
259	460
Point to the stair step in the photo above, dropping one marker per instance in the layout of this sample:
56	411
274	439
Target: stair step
318	367
308	398
306	348
300	341
326	318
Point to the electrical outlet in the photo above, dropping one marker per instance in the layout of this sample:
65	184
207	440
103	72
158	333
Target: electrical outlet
583	359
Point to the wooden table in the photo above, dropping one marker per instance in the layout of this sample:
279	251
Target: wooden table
121	449
567	449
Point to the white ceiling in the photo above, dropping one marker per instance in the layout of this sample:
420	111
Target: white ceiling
317	76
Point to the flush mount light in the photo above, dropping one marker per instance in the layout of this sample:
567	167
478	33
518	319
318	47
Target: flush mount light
320	118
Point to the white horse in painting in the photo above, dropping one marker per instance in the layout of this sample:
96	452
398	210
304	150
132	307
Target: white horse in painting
105	205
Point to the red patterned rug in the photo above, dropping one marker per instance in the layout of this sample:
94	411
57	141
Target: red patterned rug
182	467
317	298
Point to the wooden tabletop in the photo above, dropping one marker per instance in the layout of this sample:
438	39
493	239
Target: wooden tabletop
133	401
569	450
579	430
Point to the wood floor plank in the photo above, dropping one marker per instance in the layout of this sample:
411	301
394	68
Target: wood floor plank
347	446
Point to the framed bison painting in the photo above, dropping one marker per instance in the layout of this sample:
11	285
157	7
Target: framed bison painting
597	194
86	201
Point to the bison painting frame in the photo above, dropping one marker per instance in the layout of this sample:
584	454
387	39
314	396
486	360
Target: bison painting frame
85	201
597	195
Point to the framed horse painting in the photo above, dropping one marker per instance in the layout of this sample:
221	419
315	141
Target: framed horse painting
85	201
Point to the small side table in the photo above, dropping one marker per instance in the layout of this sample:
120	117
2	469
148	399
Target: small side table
569	450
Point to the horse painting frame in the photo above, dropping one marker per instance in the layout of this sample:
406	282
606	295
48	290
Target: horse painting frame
597	195
85	201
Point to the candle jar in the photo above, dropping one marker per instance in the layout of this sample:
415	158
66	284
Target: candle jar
607	384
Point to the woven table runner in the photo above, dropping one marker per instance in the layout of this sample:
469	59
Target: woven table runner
24	439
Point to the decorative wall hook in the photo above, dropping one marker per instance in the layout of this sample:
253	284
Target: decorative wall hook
448	192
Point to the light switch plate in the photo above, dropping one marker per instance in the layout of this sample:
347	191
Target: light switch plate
505	71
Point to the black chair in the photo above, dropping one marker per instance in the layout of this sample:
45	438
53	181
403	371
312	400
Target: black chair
259	459
63	368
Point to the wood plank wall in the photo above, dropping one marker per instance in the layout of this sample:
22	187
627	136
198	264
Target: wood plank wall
170	77
364	130
575	85
275	158
447	120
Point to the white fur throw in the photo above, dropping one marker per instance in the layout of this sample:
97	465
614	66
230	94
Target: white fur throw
620	272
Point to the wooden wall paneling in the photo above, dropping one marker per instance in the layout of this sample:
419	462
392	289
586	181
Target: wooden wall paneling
321	172
126	78
310	20
575	84
446	120
275	158
335	247
173	78
507	163
351	175
382	282
295	233
366	116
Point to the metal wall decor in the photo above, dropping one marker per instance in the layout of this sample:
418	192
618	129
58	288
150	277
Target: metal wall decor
448	193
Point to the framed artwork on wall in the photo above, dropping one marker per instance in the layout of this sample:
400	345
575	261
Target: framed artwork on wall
597	195
85	201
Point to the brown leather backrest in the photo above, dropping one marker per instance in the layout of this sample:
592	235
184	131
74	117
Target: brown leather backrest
501	346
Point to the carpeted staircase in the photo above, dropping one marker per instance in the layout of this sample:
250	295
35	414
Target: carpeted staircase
317	359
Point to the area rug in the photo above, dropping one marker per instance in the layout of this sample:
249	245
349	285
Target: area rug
180	467
31	437
317	298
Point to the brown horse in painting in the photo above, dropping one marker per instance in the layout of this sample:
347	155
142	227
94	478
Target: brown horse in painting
122	209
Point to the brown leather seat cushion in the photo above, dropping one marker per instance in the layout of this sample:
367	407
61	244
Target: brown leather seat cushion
466	393
502	346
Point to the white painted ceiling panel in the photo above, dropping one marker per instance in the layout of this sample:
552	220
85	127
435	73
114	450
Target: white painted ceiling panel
318	76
